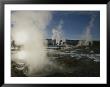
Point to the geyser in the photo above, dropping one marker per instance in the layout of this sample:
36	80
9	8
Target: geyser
58	35
28	31
87	37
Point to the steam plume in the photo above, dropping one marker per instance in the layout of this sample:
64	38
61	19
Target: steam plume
28	30
87	37
58	34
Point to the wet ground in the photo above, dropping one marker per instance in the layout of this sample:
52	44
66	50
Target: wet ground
80	62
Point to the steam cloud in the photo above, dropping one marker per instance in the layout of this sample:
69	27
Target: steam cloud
58	34
28	31
87	37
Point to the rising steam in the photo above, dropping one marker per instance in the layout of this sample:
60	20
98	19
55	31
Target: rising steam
58	34
87	37
28	31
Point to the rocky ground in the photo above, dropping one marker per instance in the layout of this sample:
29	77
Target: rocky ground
65	67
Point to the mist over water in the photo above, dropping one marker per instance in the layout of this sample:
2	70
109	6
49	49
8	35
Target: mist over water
28	31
